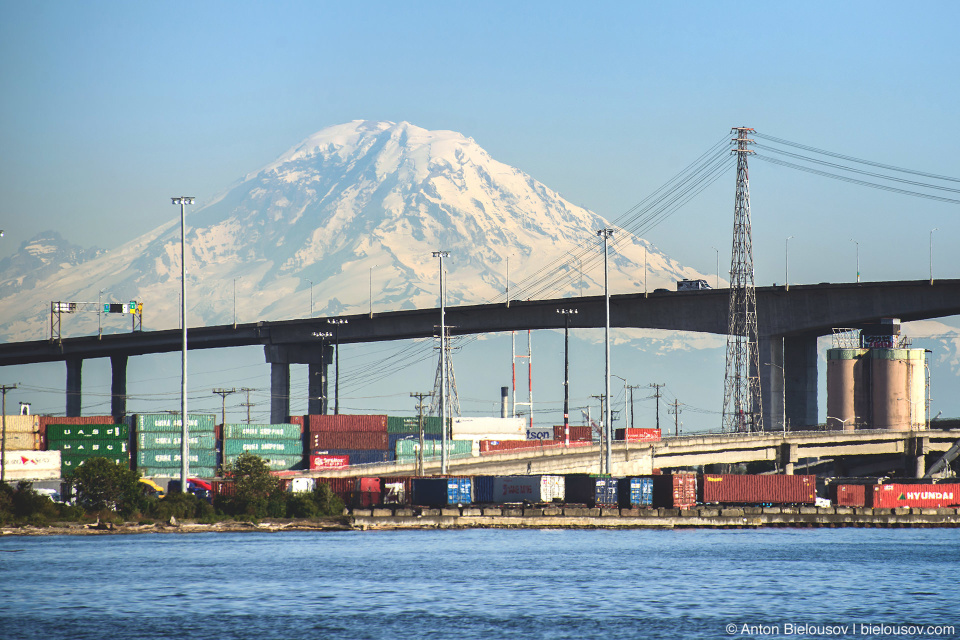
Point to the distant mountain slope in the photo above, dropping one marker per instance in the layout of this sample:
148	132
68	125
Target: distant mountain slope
352	204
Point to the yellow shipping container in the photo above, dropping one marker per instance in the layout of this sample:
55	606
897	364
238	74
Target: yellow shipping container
22	424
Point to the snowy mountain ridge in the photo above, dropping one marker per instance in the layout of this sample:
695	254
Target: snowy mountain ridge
352	212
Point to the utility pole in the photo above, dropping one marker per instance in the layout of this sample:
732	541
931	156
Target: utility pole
606	234
223	393
3	435
603	431
742	403
656	394
336	322
633	410
420	397
676	417
566	313
247	404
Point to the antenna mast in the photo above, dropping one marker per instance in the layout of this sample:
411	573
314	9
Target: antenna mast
742	409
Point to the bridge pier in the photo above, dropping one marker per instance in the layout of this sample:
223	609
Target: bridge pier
788	363
788	456
118	387
74	385
918	448
280	357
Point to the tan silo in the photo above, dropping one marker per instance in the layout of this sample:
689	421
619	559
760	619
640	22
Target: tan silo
897	385
844	388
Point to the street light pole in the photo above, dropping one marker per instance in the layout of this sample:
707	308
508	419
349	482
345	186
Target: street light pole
336	322
858	258
183	201
566	313
931	253
606	234
786	263
718	265
443	366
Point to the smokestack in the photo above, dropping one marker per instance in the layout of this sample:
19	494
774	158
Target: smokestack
503	401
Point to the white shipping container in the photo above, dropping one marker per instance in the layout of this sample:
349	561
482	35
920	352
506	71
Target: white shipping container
21	424
540	434
301	485
31	465
468	428
529	488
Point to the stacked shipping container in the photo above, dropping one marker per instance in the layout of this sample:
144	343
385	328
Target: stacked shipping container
280	445
361	439
158	439
77	443
22	433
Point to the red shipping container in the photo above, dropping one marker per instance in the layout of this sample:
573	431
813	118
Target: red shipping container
340	486
369	485
757	489
356	440
298	420
346	423
579	434
328	462
891	496
848	495
675	490
366	498
637	435
223	488
397	489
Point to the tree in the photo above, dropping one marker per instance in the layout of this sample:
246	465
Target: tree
101	484
257	493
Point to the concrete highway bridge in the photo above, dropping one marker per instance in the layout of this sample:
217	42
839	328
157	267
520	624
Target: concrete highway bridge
864	452
790	320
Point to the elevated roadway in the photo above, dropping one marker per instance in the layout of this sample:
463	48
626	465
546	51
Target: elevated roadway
790	320
909	449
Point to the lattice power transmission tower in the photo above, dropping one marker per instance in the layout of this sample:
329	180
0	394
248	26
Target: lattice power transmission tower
742	409
453	398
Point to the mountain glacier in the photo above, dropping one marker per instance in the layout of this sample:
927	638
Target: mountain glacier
349	218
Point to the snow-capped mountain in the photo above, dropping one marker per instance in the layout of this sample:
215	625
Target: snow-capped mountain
38	258
352	204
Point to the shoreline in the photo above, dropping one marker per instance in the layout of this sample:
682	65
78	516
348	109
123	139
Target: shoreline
384	519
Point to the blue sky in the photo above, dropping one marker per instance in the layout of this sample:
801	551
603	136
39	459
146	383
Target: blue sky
109	108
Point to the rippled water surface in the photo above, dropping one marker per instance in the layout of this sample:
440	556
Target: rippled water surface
481	584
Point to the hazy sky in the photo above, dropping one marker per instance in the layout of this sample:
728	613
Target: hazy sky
109	108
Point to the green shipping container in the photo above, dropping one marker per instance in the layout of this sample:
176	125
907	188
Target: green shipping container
78	431
167	458
197	422
91	447
262	448
274	461
263	431
431	424
174	472
69	462
407	449
171	440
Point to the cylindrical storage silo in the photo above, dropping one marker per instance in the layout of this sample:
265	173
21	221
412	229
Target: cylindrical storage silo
843	367
898	398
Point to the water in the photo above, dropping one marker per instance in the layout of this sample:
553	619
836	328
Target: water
480	584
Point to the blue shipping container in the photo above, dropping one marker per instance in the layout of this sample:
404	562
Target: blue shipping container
483	489
439	492
635	492
607	492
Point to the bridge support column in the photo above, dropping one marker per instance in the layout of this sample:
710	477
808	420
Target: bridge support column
800	368
279	392
118	387
788	456
918	451
318	356
74	384
771	384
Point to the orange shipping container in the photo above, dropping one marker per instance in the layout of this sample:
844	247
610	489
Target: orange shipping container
757	489
317	423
